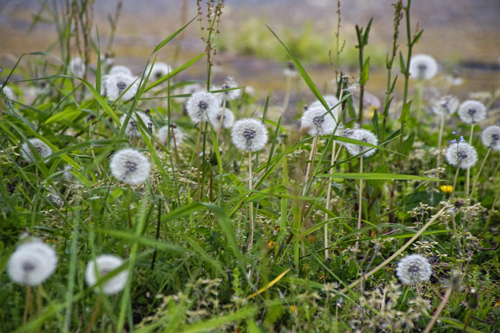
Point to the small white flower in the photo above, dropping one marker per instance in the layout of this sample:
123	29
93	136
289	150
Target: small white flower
41	147
105	264
159	70
227	122
365	136
414	269
77	67
445	106
114	85
462	155
166	131
132	129
230	94
472	112
200	105
8	92
130	166
249	135
318	121
32	263
120	70
491	137
423	67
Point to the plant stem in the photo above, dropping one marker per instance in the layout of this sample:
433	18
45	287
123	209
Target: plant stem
288	87
250	206
198	161
222	117
97	307
360	203
310	164
439	310
440	138
27	306
479	172
468	170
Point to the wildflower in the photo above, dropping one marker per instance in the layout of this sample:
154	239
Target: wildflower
290	70
249	135
120	70
132	129
414	269
166	131
200	105
446	189
115	85
472	112
159	70
271	244
318	121
32	263
105	264
77	67
365	136
130	166
423	67
331	101
462	155
230	94
42	87
491	137
41	147
446	106
227	122
8	92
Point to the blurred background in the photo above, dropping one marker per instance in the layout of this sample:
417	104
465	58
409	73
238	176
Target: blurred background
463	35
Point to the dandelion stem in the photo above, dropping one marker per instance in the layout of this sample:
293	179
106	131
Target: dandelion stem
310	164
454	184
440	138
219	130
479	172
198	160
97	307
420	93
288	87
360	203
441	307
129	202
250	206
175	146
468	169
27	306
39	303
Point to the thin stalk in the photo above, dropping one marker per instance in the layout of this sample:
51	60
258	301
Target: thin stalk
467	322
97	307
479	172
175	147
157	234
250	206
39	303
198	160
310	164
219	130
468	170
440	138
288	88
129	202
439	310
360	203
420	93
27	306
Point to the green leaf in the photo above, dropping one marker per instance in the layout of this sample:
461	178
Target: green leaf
169	38
405	114
378	176
402	63
367	32
417	37
365	73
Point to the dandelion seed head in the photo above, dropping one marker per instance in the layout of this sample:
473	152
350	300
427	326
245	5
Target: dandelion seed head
120	70
462	155
446	106
41	147
187	90
423	67
365	136
114	85
318	121
77	67
200	105
8	92
105	264
32	263
166	131
227	121
249	135
132	129
414	269
130	166
159	70
290	70
491	137
230	94
472	112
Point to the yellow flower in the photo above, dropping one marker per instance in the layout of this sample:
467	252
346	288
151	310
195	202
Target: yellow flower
271	245
293	309
446	189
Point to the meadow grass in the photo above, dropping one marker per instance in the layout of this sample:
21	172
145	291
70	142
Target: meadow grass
213	229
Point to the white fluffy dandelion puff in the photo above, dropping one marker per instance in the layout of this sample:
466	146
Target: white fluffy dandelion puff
130	166
365	136
227	122
115	85
41	147
200	105
491	137
166	131
446	106
105	264
423	67
230	94
249	135
32	263
77	67
462	155
329	99
472	112
8	92
318	121
120	70
132	130
160	69
414	269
